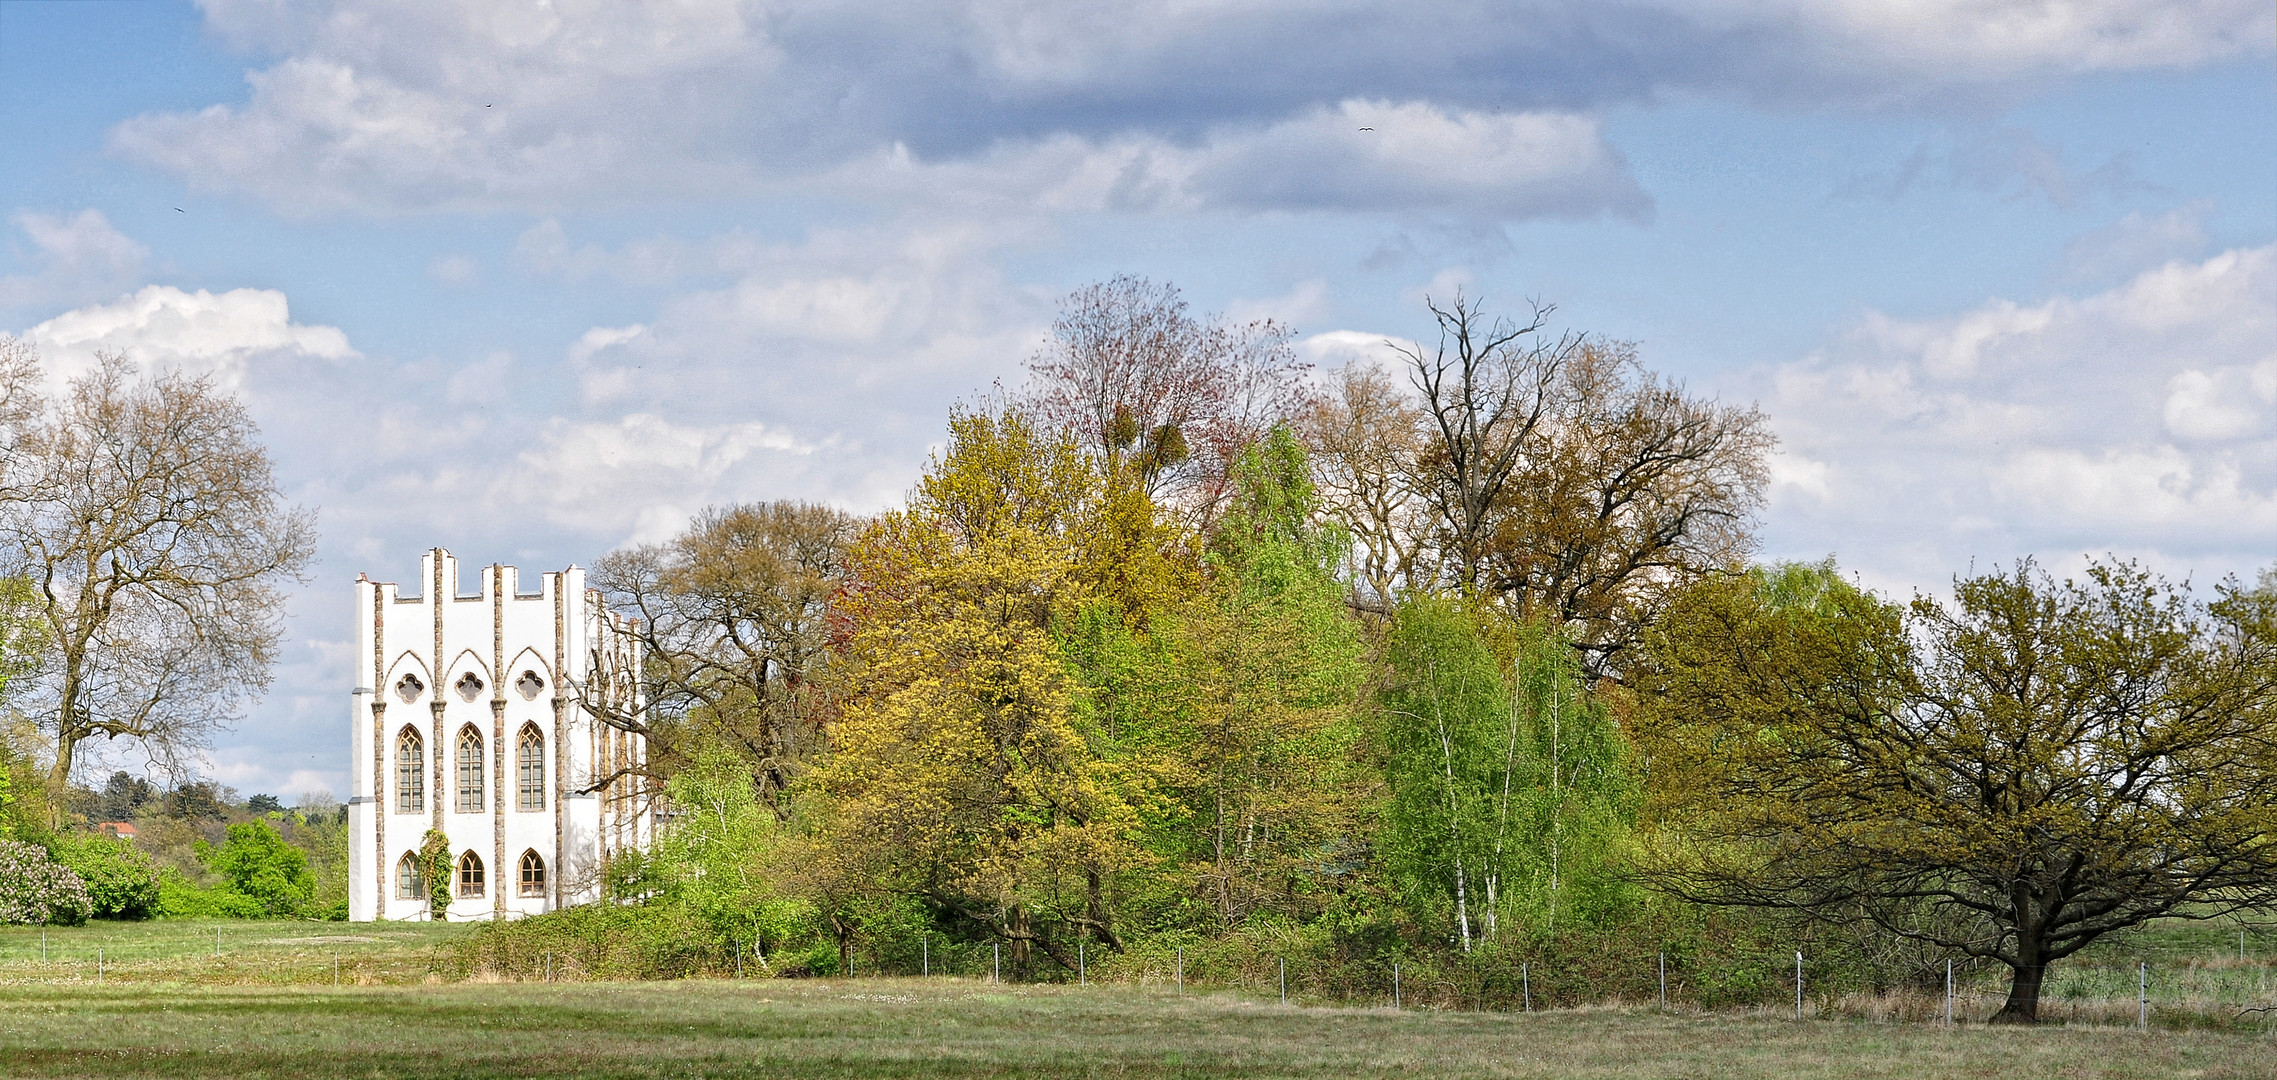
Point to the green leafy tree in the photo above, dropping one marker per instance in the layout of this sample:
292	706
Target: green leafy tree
2012	774
1510	790
1275	673
965	771
723	856
255	861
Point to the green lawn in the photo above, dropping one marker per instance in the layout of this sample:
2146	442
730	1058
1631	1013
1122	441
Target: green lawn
267	1007
912	1027
178	951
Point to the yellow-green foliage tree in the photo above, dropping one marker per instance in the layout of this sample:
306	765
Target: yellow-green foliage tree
964	771
1273	664
2012	774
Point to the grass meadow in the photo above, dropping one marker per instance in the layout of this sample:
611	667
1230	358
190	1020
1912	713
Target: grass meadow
406	1005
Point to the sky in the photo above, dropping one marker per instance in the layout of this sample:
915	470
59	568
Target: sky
531	281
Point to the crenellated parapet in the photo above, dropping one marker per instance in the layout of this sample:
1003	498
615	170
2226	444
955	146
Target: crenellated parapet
483	713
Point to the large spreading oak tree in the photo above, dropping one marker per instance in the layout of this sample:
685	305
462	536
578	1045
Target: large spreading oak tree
2012	774
144	515
733	619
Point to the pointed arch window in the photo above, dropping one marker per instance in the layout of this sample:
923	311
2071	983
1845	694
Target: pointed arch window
470	874
410	884
470	770
530	770
531	875
410	773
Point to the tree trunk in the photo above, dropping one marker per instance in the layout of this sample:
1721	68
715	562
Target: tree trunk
1020	938
2023	1006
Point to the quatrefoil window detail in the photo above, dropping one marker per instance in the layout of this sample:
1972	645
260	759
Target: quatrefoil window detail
529	685
470	686
409	688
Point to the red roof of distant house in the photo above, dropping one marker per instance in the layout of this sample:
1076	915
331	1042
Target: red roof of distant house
121	829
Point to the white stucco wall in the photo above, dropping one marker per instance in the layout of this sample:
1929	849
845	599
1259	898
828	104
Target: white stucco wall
535	661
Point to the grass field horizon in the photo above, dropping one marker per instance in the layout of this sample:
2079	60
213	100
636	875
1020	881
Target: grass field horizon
904	1026
165	1005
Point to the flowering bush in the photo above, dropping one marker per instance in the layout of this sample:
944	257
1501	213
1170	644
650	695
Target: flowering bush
34	889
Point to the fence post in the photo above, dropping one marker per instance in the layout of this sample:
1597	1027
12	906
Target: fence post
98	965
1948	991
996	962
1181	969
1395	984
925	954
1284	980
1082	972
2142	992
1526	985
1798	984
736	947
1664	980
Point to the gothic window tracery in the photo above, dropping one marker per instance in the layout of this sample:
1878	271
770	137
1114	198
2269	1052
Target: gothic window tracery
470	770
532	874
410	773
530	770
410	884
470	874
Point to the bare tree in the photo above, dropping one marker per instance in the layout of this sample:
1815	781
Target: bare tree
1366	436
1566	480
1486	389
734	624
145	516
1143	385
1631	491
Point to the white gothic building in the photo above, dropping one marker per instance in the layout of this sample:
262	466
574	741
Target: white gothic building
474	714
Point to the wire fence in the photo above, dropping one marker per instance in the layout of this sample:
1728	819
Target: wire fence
2205	989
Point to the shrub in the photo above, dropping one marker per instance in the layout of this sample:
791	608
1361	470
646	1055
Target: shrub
258	864
607	941
121	881
34	889
181	898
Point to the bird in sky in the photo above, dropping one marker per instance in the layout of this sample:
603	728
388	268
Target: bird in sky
1367	129
179	210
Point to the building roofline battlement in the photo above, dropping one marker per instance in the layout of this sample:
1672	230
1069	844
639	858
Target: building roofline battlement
453	581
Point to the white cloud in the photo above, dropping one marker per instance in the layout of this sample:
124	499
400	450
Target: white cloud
73	259
452	269
2137	242
220	335
1364	156
409	106
1307	302
2140	420
607	477
1337	348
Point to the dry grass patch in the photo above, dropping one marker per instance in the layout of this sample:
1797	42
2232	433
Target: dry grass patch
911	1027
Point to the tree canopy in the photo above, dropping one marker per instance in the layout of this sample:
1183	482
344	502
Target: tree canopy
2013	773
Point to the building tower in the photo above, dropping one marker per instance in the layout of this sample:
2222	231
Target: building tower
481	716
